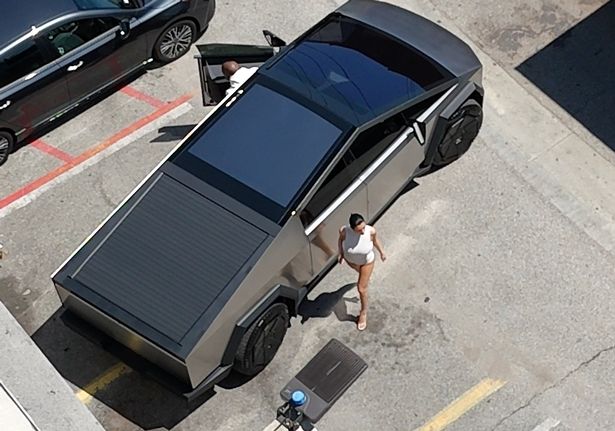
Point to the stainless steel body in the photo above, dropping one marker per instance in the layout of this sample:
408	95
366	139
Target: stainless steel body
230	254
124	335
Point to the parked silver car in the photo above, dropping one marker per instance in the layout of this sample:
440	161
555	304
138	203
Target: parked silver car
201	267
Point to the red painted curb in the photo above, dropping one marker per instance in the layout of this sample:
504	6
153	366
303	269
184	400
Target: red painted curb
51	150
133	92
89	153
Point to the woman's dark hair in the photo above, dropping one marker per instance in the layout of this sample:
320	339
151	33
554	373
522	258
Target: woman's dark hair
355	220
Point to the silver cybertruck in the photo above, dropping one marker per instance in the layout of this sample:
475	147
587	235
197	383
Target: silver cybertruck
200	268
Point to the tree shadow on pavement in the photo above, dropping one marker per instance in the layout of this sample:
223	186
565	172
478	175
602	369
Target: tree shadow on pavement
576	70
131	394
329	302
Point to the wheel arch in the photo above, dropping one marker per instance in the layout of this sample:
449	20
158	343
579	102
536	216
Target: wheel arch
288	296
469	91
12	142
10	132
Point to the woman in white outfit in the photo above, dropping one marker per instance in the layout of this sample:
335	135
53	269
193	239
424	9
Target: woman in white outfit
356	246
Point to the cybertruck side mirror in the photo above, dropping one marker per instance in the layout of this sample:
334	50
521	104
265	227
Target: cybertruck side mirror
273	40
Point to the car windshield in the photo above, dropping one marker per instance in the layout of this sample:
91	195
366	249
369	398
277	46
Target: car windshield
104	4
261	151
355	71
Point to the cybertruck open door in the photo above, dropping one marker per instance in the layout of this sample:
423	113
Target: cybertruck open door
211	56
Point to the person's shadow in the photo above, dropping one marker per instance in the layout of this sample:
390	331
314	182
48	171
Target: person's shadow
329	302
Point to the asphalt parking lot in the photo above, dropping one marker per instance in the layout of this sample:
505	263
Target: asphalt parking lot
493	311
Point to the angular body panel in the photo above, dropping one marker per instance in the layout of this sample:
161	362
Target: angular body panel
244	214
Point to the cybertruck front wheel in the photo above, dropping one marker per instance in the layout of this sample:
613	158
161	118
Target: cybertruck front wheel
462	129
261	341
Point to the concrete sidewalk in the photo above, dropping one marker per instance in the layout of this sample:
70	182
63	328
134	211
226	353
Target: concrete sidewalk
557	158
36	385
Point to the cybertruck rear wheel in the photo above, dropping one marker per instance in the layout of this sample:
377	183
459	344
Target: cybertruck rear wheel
261	341
462	129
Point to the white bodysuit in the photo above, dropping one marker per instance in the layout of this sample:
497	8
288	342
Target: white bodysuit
358	248
239	77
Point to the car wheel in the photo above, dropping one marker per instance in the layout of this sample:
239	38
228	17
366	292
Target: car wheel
462	129
262	340
175	41
6	146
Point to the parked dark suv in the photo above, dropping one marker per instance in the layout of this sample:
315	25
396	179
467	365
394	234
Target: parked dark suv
55	54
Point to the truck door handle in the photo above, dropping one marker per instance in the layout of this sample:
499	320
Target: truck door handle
74	67
30	76
5	105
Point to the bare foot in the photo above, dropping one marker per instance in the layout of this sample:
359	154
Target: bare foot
362	322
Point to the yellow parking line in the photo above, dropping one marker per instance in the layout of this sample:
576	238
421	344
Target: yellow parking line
101	382
462	404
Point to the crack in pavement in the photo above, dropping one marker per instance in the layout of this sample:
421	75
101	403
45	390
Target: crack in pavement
103	193
554	385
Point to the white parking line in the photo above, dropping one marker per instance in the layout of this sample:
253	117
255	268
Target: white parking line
142	131
547	425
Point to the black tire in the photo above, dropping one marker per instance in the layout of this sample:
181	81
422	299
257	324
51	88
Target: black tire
261	341
175	41
6	146
462	129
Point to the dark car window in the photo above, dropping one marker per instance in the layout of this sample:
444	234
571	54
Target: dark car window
105	4
18	62
263	148
363	151
70	36
355	71
373	141
336	182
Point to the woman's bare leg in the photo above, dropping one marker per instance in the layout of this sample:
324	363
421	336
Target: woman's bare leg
365	272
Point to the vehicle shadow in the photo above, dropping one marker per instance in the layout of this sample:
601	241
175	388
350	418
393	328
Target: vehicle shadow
235	380
84	106
411	185
576	71
173	133
329	302
131	394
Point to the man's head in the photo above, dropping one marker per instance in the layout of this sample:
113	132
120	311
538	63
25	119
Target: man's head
229	68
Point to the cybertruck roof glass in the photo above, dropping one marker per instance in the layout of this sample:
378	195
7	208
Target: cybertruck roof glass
354	70
261	151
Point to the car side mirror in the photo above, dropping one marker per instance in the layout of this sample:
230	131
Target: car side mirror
124	30
273	40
